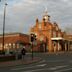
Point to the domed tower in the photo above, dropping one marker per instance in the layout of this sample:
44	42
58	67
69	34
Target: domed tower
46	16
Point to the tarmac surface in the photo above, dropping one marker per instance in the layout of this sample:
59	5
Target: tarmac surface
42	62
27	60
19	62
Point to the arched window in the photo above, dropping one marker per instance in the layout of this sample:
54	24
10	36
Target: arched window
6	46
10	45
13	45
54	33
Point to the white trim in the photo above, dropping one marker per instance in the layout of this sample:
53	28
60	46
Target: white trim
57	38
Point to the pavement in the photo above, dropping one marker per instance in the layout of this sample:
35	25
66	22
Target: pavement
20	62
61	52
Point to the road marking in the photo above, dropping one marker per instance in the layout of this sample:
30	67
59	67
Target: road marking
63	70
58	67
41	65
36	70
23	68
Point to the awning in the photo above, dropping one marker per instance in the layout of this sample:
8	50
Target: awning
57	38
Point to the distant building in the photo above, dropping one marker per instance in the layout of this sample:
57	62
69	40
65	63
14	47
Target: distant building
68	42
49	35
14	41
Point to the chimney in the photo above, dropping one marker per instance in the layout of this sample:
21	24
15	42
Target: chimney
37	21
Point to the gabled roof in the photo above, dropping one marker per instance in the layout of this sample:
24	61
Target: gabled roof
14	38
13	34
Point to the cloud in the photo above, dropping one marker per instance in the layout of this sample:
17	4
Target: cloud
21	14
66	0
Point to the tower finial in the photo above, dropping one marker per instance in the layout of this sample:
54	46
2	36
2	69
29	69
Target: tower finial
45	8
46	12
46	16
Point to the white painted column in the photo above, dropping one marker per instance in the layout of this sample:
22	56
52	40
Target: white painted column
65	46
68	46
58	46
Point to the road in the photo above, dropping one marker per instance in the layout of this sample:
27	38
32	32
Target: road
49	63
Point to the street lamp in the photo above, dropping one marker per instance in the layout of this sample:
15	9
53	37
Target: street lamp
33	39
4	24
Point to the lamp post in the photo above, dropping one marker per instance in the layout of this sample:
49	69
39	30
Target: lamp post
4	24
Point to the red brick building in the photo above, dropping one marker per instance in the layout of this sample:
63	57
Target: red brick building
68	42
48	34
14	41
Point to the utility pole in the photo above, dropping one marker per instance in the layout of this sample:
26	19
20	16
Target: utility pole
4	24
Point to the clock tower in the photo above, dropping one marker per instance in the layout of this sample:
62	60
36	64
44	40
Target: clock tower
46	16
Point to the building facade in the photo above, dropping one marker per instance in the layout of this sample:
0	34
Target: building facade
14	41
68	42
48	34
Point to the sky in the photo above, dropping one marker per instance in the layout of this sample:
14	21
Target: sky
21	14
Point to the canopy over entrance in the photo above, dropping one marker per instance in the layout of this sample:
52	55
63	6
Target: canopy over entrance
57	38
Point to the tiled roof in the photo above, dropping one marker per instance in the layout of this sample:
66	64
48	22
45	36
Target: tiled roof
14	39
9	34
